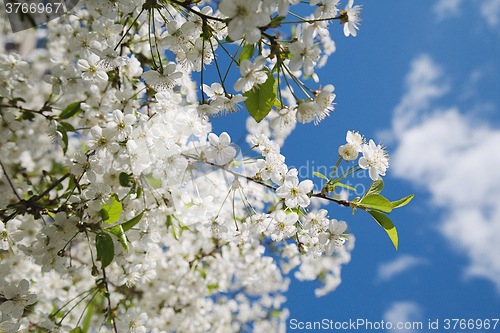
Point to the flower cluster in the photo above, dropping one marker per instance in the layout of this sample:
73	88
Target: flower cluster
374	158
122	207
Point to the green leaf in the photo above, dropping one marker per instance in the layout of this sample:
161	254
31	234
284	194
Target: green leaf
276	21
132	222
246	52
177	226
104	214
376	201
76	330
71	110
402	202
278	104
387	224
64	138
156	183
320	175
124	179
376	187
67	127
114	211
87	319
260	100
118	231
345	186
105	249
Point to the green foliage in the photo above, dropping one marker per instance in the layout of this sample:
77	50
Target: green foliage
246	52
344	186
111	213
124	179
118	231
71	110
376	187
387	224
402	202
276	21
377	202
176	226
320	175
88	318
260	100
105	249
62	129
132	222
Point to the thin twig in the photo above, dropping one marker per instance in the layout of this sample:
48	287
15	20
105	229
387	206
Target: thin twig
109	300
10	182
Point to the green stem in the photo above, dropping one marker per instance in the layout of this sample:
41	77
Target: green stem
335	168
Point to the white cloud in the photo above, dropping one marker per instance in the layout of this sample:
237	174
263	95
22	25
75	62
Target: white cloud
388	270
406	313
447	8
457	159
422	87
488	9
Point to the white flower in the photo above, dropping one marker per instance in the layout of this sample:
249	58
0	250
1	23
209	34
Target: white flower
221	149
9	326
99	194
161	82
245	19
353	19
316	222
273	167
123	124
305	54
109	59
18	299
139	156
199	55
286	118
103	139
375	159
133	321
83	43
10	234
295	194
327	9
177	36
90	69
307	112
283	226
214	91
215	227
251	74
350	150
333	239
5	269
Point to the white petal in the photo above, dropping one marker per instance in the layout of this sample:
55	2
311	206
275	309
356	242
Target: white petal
224	139
24	286
373	173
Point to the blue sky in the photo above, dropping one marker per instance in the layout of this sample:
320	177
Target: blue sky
422	77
